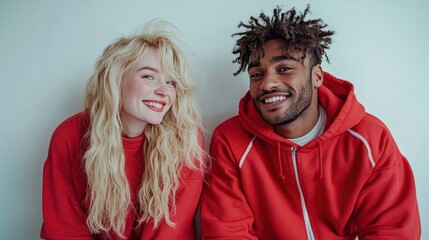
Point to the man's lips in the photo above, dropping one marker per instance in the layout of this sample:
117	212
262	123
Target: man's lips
272	101
273	98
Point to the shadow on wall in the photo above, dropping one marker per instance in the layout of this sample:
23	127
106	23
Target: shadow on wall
218	97
219	94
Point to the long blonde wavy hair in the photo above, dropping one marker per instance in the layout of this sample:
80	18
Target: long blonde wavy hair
169	146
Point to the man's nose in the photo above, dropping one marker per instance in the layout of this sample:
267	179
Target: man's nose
269	82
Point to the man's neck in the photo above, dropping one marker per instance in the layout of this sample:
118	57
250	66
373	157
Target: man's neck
301	125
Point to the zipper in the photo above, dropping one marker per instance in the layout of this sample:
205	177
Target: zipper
308	228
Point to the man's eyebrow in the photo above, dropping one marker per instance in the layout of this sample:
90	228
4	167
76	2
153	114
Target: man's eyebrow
276	59
253	64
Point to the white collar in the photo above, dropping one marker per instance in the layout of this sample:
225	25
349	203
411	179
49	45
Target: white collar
315	132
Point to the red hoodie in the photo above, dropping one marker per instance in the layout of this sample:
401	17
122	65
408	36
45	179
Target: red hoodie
350	181
64	190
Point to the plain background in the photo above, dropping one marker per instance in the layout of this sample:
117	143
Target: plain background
48	50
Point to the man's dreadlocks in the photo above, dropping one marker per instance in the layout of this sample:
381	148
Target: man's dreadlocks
306	36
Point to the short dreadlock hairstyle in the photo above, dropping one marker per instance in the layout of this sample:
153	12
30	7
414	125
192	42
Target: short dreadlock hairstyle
306	36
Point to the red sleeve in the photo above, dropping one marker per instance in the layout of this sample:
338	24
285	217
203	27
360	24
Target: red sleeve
387	205
187	198
225	213
63	216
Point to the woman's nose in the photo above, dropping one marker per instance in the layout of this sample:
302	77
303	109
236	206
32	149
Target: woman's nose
162	89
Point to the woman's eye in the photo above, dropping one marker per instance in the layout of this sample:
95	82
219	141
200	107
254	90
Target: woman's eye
150	77
172	83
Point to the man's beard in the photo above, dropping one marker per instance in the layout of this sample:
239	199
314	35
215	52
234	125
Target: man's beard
296	109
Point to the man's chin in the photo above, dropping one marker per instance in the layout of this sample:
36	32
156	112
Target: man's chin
272	121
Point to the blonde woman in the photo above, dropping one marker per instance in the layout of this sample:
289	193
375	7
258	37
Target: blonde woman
129	166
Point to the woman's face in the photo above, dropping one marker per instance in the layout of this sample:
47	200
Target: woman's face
147	93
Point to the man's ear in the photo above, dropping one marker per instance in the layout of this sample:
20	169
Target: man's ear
317	75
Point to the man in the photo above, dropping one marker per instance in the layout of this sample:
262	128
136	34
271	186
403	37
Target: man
303	160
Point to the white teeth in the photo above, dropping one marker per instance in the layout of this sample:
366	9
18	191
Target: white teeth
274	99
153	104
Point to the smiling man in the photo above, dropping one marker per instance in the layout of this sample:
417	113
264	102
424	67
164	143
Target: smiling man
303	160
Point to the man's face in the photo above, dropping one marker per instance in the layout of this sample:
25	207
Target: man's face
281	84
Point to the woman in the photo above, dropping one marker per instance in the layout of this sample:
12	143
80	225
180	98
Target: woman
130	165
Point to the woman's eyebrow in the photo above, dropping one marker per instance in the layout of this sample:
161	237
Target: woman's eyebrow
149	68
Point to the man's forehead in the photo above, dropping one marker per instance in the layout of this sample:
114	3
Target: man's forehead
277	54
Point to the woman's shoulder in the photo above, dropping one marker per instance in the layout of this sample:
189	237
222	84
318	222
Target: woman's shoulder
68	142
72	129
188	173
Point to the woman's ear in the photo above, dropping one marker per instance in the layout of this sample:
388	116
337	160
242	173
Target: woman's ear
317	75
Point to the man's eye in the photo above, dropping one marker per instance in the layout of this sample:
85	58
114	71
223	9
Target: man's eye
256	75
284	69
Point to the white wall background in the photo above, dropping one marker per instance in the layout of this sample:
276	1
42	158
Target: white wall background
48	50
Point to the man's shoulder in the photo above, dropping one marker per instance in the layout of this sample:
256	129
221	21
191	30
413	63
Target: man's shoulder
375	134
231	129
371	125
230	136
230	123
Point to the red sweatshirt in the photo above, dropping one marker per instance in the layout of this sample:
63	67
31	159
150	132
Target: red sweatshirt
350	181
65	185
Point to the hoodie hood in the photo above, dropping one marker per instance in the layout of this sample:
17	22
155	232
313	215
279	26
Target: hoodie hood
343	111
